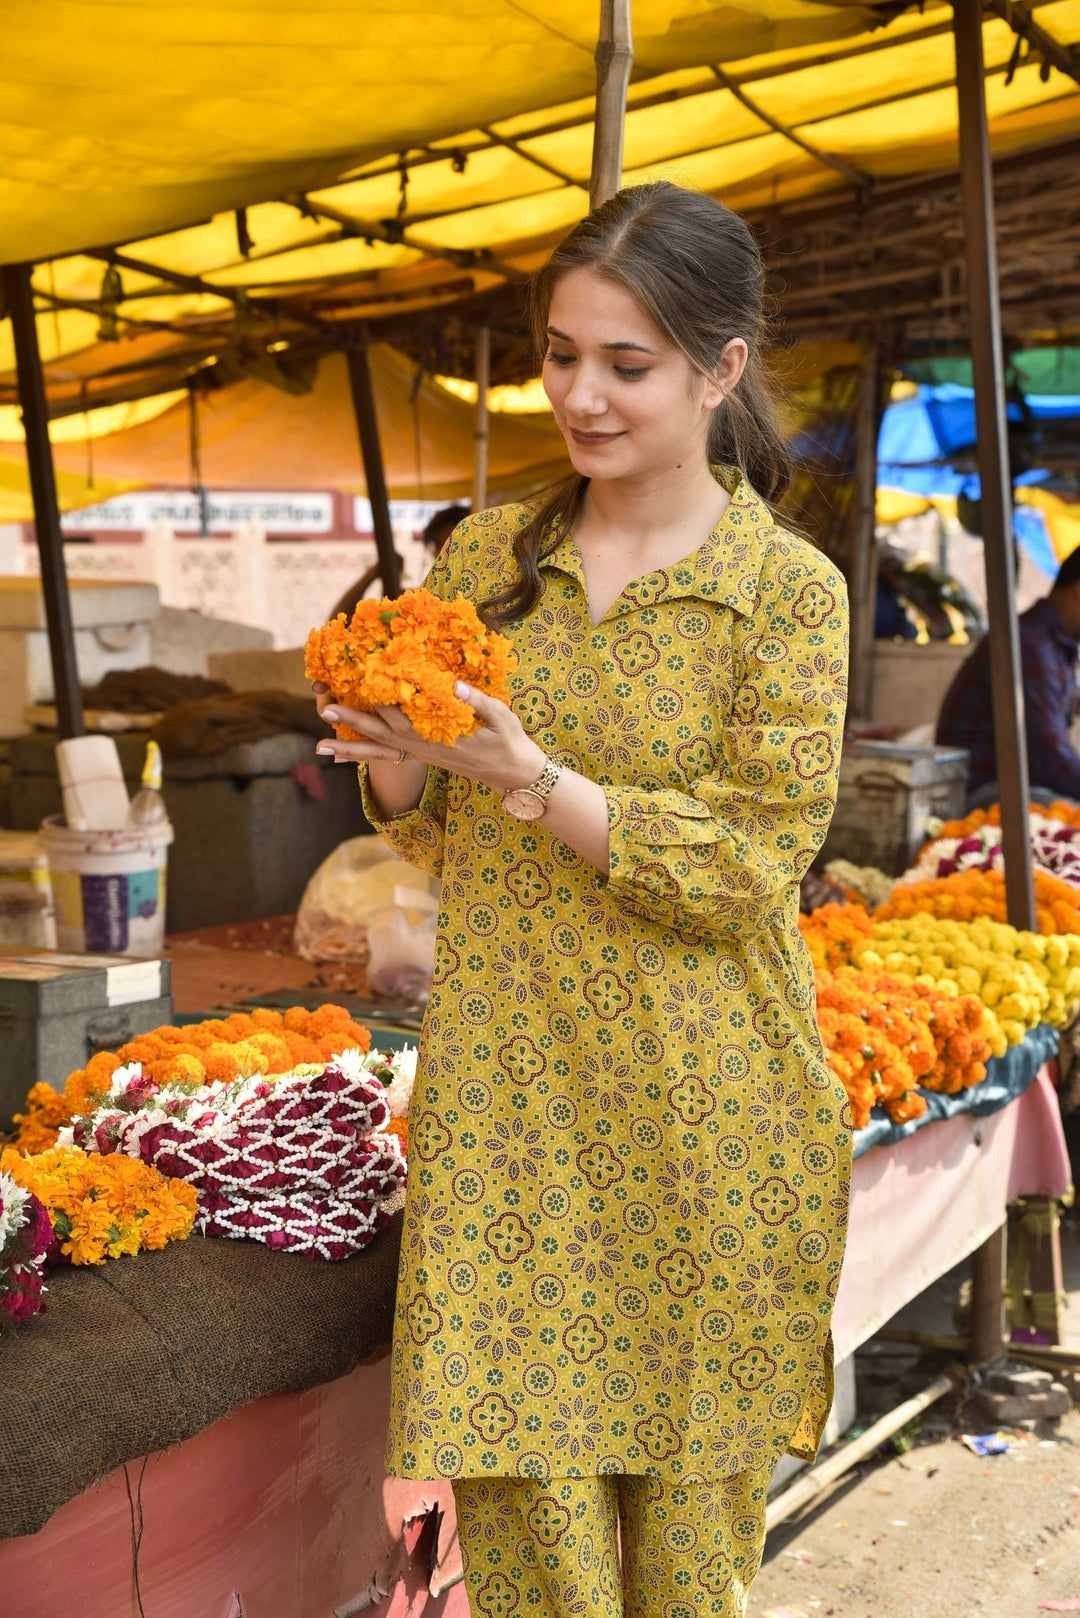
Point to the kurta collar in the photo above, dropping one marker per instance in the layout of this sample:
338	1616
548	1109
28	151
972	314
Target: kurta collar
725	569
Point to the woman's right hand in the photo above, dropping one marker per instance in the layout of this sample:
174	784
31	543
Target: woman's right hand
396	781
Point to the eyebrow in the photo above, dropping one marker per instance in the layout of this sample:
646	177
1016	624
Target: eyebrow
638	348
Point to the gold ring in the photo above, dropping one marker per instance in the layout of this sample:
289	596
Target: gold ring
401	755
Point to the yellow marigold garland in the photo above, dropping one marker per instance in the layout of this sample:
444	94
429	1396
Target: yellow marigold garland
410	653
103	1207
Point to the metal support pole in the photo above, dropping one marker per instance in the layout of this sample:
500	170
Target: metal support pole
864	557
614	59
356	357
482	434
984	315
19	297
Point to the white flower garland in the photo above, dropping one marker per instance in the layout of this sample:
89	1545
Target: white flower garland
301	1162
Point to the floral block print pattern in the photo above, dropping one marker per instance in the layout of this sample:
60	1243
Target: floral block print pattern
628	1156
688	1549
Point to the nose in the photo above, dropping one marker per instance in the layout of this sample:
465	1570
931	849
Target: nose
585	395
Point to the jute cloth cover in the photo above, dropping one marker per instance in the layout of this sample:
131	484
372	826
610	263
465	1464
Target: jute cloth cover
142	1353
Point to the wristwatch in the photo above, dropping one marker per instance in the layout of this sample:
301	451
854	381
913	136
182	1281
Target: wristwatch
530	803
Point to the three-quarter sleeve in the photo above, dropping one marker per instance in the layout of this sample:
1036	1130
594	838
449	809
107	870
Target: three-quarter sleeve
722	856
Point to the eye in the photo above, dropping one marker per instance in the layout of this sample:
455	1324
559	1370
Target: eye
632	373
559	359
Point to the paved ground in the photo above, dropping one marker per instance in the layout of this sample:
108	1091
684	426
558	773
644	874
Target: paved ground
938	1532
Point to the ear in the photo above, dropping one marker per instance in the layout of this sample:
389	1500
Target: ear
727	373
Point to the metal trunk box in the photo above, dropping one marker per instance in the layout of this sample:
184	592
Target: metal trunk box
56	1011
888	793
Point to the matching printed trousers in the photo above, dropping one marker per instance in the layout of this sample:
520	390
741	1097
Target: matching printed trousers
551	1550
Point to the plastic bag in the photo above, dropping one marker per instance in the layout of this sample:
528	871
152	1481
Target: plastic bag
401	940
359	879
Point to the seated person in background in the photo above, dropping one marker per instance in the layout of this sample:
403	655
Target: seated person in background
1049	643
435	535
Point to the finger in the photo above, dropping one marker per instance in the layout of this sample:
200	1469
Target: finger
399	727
489	710
360	752
319	688
366	723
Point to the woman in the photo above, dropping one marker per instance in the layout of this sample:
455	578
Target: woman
628	1157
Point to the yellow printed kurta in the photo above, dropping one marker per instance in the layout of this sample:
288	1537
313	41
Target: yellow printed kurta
628	1157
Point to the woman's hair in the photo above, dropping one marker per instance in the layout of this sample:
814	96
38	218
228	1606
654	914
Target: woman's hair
695	268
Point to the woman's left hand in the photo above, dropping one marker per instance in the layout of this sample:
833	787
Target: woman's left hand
500	753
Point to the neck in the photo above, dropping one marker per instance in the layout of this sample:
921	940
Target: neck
1064	606
640	508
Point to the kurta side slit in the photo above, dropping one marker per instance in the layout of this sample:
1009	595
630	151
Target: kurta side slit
628	1157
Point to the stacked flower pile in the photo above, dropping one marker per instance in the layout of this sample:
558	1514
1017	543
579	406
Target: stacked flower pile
25	1236
102	1207
887	1039
967	895
1021	979
302	1162
410	653
864	883
216	1051
1055	847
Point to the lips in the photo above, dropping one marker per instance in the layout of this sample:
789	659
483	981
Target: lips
593	438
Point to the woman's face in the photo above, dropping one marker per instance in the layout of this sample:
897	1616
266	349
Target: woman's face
627	401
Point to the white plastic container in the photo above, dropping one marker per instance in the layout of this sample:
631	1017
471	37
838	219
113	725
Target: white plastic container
109	887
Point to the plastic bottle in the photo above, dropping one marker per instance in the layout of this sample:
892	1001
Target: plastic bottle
148	806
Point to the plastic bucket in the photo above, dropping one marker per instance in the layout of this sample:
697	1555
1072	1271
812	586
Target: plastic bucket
109	887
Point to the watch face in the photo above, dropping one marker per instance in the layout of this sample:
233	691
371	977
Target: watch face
523	804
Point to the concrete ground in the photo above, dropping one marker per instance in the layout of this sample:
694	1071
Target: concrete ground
938	1532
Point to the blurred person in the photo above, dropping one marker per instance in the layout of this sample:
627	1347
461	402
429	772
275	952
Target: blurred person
1049	645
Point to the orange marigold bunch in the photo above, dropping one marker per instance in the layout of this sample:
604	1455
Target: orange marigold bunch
103	1207
967	894
46	1114
1067	813
220	1049
410	653
957	1024
836	934
877	1041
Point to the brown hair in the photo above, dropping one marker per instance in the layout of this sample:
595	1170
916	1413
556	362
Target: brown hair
695	268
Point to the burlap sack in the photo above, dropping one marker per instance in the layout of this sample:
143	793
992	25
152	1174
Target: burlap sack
140	1353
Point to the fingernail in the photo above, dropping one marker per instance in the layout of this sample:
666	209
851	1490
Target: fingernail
331	714
327	752
461	690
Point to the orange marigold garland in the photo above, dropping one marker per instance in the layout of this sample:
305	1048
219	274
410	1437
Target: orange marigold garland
410	653
968	894
220	1049
103	1207
836	934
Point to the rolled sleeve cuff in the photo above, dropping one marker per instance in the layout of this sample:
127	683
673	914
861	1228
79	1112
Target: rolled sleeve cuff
417	835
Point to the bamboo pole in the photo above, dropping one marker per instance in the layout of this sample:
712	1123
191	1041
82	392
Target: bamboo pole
814	1483
481	434
864	557
614	59
19	297
367	424
1051	1355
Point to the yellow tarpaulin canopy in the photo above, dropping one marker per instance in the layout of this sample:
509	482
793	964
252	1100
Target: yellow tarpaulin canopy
131	118
342	132
252	436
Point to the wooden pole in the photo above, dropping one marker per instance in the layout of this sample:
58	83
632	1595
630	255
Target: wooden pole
481	434
19	297
614	59
984	315
367	425
864	559
987	1341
